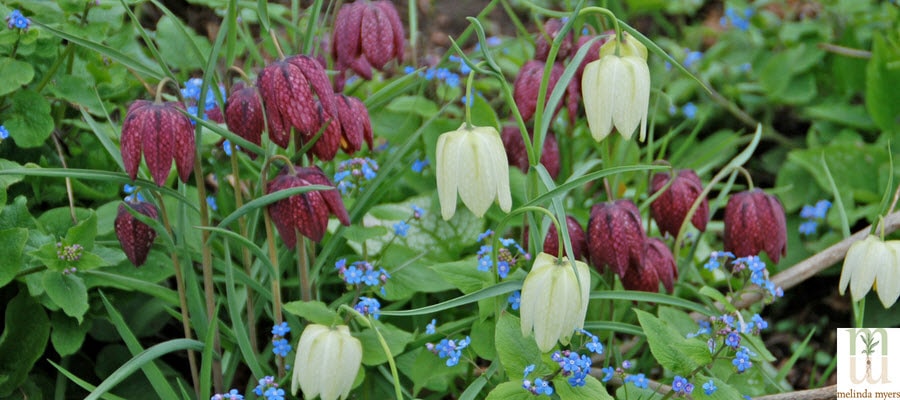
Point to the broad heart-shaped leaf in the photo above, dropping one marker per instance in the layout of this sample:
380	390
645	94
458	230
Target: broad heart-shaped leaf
313	311
373	354
78	91
68	292
882	81
14	74
25	333
464	274
723	390
672	350
12	241
428	371
592	389
511	390
177	49
30	123
67	335
83	233
515	351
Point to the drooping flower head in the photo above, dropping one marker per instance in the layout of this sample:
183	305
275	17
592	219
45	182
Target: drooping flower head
356	126
869	262
616	89
576	236
754	222
367	34
244	114
471	161
671	207
657	266
306	212
518	156
554	300
528	84
135	237
545	39
327	362
615	236
161	133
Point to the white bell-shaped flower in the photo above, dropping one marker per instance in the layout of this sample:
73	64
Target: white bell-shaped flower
554	300
869	262
471	161
616	89
328	359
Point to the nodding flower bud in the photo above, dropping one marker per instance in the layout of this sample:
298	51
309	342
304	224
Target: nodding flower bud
754	222
289	90
244	114
657	265
528	84
518	156
545	39
869	262
327	361
161	132
554	300
471	161
356	126
306	212
671	207
576	236
615	236
367	34
135	236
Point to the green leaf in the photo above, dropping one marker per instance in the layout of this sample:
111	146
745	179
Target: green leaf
429	371
30	123
176	49
67	334
716	295
56	222
25	333
483	333
78	91
509	391
882	81
14	74
373	354
463	274
139	360
83	233
12	241
592	390
313	311
68	292
413	105
723	391
516	351
671	350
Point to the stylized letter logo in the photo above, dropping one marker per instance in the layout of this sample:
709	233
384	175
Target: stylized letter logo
867	337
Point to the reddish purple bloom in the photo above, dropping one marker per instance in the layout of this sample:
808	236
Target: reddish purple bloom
161	133
528	83
754	222
658	265
135	236
615	236
307	212
367	34
518	156
671	207
244	114
545	40
355	123
576	236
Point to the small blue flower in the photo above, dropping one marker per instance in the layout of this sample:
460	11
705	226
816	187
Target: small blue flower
234	395
419	165
368	306
264	385
759	322
639	380
515	299
608	373
418	212
281	329
528	369
274	394
192	89
705	329
626	364
15	19
408	69
401	228
733	340
226	146
709	387
689	110
678	384
692	58
741	361
211	202
488	233
449	349
808	228
4	133
430	328
502	269
543	387
281	347
822	207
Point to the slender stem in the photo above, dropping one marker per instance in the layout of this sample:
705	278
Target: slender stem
69	194
413	31
370	323
469	82
182	297
245	253
609	14
29	271
746	175
303	268
273	254
277	44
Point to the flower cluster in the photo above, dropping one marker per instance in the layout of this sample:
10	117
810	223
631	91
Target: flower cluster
132	193
759	275
444	75
362	273
507	256
431	329
515	299
368	306
232	395
736	19
280	345
15	20
191	94
449	349
681	386
352	172
539	386
268	389
639	380
813	215
70	253
728	328
574	366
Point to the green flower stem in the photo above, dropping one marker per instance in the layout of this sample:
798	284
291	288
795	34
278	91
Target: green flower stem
412	6
609	14
303	268
398	390
182	296
245	253
273	254
29	271
470	80
69	194
521	210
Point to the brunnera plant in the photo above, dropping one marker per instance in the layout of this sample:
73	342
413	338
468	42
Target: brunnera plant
330	228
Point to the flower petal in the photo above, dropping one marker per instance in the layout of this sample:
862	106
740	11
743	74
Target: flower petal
597	101
446	156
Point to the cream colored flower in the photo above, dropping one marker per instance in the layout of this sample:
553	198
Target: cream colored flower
616	90
554	301
471	160
327	362
869	262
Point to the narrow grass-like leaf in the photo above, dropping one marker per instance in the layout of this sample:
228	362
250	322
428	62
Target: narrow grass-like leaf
127	283
136	362
185	37
207	357
647	297
270	198
81	382
488	292
258	252
154	374
838	203
107	143
148	43
613	326
581	180
237	320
